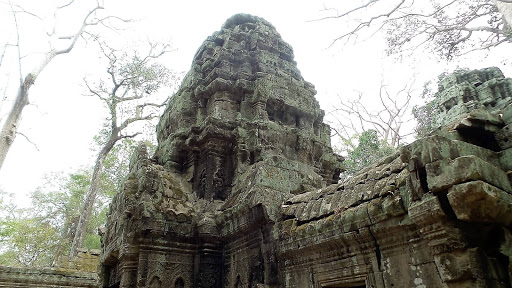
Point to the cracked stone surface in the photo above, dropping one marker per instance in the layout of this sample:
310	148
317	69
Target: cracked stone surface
243	188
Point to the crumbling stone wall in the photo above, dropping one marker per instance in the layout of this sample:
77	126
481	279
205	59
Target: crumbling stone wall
435	214
464	91
81	272
242	190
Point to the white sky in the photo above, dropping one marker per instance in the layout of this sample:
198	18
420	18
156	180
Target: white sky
62	123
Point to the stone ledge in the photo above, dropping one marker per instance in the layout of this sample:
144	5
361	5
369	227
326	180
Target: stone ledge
445	173
481	202
46	277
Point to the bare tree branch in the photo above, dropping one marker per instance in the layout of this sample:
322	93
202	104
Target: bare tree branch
17	42
130	135
367	23
353	117
450	28
95	93
345	13
66	5
3	52
26	138
11	123
21	10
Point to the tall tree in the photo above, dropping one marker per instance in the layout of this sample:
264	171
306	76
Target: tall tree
449	28
129	95
57	45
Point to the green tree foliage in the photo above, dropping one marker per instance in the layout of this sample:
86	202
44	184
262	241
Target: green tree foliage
31	241
7	213
369	149
38	235
424	113
424	119
26	239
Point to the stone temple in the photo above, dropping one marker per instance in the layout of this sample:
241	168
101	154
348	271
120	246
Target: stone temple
243	189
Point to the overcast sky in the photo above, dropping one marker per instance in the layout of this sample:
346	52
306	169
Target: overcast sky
62	123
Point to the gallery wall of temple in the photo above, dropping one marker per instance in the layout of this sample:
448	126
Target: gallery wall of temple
79	272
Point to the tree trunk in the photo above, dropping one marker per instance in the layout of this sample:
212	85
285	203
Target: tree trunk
90	198
10	127
506	10
8	132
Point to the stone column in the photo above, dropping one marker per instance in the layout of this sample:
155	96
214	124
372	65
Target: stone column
128	272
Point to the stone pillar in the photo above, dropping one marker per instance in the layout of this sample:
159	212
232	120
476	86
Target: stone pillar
210	272
143	267
128	272
215	170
